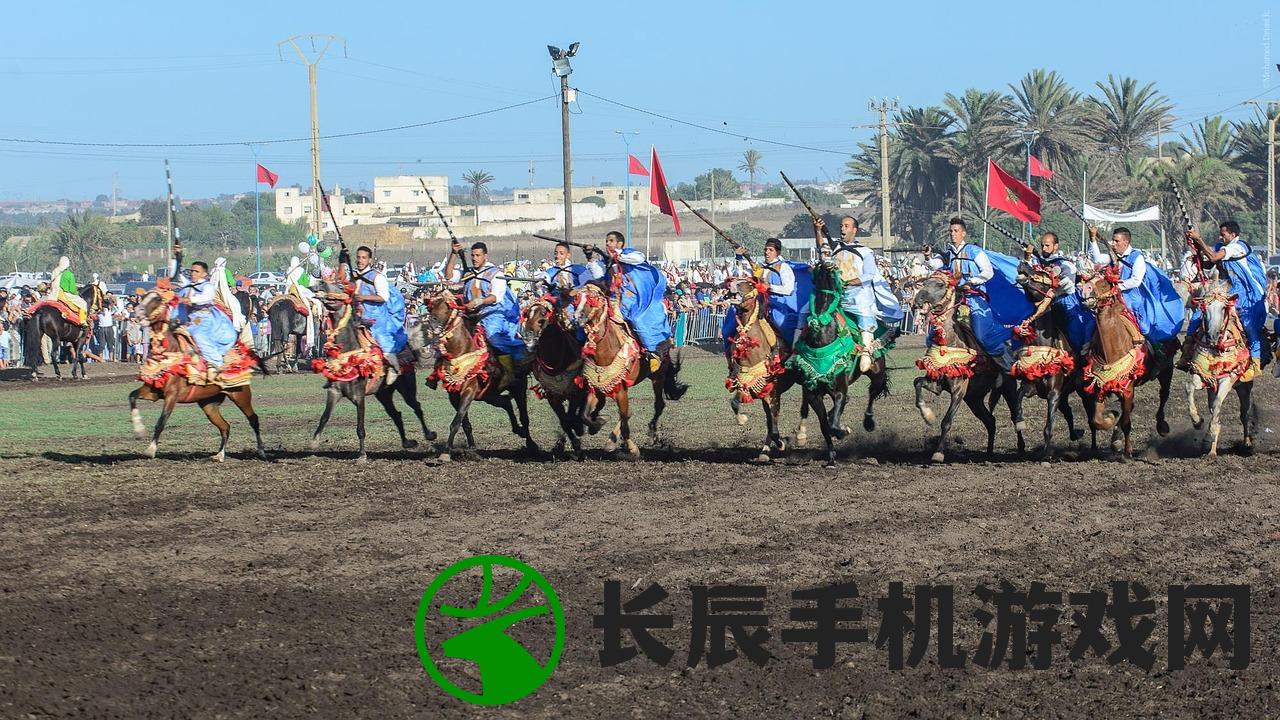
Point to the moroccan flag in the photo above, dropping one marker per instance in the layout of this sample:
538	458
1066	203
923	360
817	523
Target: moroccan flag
1005	193
1038	169
266	176
658	194
636	167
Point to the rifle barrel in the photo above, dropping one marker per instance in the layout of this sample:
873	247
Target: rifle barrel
710	224
812	213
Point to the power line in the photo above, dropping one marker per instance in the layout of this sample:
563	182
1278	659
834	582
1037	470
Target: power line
36	141
708	128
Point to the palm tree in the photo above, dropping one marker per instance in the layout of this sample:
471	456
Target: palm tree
1045	104
984	129
81	236
751	165
479	181
1127	116
1211	138
1249	155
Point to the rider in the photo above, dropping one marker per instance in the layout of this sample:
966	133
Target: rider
563	274
641	290
1148	292
1248	283
785	303
488	296
1077	319
867	295
381	310
62	288
209	323
994	304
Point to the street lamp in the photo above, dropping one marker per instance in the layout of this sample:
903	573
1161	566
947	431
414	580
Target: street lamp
561	68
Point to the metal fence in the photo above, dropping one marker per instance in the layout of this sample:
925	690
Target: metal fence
701	327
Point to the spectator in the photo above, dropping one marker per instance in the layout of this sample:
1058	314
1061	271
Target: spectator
4	344
105	334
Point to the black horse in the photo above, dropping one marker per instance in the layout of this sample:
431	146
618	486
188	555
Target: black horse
288	332
343	331
48	322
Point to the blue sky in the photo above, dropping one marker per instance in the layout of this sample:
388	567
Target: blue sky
798	73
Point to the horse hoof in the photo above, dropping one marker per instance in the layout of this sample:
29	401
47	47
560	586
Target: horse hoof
150	452
409	444
633	449
611	446
869	423
429	436
1020	426
218	456
262	454
1162	427
938	457
1196	423
445	457
926	412
314	444
802	440
362	460
742	419
1077	435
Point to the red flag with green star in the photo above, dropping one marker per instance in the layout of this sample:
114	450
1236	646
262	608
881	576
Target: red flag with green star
1004	192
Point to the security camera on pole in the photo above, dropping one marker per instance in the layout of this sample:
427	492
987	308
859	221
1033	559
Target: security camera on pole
560	66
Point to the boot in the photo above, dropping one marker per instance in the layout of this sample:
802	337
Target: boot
393	368
1184	360
1006	359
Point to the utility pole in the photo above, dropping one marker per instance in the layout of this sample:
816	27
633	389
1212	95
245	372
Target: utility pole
560	66
322	42
884	106
530	173
1269	110
712	183
627	143
1028	137
115	191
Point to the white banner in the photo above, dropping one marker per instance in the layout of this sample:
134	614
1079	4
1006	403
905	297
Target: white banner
1150	214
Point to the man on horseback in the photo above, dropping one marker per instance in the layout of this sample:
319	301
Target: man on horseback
1236	261
207	321
785	303
563	274
62	288
488	296
640	290
1147	291
868	298
1077	319
381	310
974	273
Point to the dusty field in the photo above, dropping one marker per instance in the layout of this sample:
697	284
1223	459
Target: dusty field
179	588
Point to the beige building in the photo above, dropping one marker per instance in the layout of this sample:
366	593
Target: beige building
396	199
611	194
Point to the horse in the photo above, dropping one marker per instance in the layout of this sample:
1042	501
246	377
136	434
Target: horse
47	320
165	378
469	371
1220	361
955	363
288	330
612	362
557	367
756	371
1120	359
353	368
1046	364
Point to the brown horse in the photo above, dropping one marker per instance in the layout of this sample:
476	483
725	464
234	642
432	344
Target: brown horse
1220	361
1046	363
756	355
470	371
557	367
1120	359
956	364
613	362
354	369
173	347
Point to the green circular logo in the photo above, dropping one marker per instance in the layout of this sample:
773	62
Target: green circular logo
508	671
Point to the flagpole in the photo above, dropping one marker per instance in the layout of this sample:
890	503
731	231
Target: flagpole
648	206
1084	228
257	210
986	193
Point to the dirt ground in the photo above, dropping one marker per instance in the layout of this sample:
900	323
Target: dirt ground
181	588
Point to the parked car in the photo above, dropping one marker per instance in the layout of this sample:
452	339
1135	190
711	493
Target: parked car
266	277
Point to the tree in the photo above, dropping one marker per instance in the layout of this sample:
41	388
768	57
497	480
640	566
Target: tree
593	200
1046	104
1127	116
801	226
752	238
751	165
984	129
82	237
1211	138
1249	155
726	185
154	212
479	181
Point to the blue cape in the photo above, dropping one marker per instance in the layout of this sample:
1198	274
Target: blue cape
1155	302
640	300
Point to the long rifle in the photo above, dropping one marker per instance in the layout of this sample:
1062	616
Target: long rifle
344	257
1002	231
175	238
713	226
570	243
1063	200
1186	226
812	213
452	238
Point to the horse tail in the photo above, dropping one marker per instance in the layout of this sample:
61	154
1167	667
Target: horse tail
671	385
32	341
260	363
